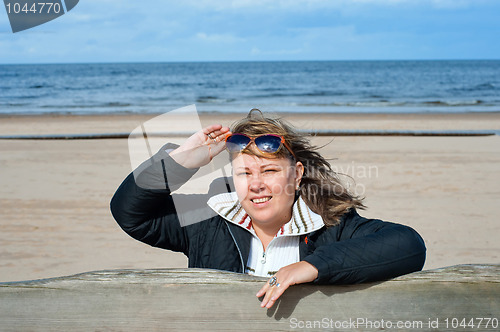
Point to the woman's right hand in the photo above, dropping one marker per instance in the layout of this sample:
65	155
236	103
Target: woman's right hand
201	147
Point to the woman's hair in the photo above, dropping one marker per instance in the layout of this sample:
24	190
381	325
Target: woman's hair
320	187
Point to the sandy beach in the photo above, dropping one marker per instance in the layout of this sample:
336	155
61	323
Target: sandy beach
54	194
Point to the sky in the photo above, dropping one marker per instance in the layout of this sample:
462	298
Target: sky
259	30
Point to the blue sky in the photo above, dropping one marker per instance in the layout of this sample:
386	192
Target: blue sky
257	30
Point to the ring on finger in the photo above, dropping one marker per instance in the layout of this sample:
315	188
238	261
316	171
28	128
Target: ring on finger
273	281
211	137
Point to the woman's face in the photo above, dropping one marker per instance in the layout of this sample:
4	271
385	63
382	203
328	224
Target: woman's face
266	187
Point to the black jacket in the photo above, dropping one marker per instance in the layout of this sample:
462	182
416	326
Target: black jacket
357	250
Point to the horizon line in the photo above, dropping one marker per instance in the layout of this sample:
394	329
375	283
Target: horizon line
239	61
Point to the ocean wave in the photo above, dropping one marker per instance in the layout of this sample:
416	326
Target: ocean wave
302	94
14	104
116	104
488	86
128	71
485	86
40	86
386	103
40	96
453	102
87	87
381	103
176	85
163	98
102	105
372	104
213	99
270	89
8	75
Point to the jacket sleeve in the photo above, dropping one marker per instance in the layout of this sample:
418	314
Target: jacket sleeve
364	250
143	205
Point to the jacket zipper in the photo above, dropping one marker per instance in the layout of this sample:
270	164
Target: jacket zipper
237	247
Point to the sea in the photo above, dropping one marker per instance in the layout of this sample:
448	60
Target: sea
305	86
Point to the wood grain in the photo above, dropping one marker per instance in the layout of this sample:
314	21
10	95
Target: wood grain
209	300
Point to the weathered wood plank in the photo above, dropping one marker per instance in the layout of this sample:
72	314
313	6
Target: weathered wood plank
452	133
195	299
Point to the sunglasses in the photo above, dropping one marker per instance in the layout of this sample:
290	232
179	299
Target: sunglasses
267	143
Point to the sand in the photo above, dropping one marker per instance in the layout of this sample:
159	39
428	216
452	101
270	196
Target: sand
54	194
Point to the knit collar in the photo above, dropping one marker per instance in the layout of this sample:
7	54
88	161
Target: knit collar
303	220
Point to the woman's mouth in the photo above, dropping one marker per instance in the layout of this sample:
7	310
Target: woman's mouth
261	200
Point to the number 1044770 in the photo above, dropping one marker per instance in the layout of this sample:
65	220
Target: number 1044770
35	8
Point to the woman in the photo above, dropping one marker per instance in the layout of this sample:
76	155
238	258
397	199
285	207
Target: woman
289	219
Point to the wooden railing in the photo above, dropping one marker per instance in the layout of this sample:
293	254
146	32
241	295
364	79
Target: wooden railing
208	300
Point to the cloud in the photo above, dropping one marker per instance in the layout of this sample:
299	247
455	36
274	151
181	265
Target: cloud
218	38
257	52
292	5
203	30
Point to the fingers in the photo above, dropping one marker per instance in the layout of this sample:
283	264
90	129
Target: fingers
296	273
216	133
263	290
271	293
211	128
199	149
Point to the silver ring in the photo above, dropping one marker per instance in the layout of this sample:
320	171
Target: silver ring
273	281
278	284
212	138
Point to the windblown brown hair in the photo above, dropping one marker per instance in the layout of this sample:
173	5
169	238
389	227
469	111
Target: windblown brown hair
320	187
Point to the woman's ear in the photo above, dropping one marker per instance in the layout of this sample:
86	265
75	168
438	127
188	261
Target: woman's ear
299	171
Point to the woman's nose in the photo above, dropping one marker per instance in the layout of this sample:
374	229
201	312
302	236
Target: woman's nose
256	183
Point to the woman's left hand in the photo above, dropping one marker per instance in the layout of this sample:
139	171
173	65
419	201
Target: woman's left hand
296	273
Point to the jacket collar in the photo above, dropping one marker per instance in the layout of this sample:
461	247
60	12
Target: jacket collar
303	220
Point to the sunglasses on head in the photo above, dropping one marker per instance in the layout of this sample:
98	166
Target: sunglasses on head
267	143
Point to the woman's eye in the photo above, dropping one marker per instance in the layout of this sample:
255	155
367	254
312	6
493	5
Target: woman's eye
270	170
